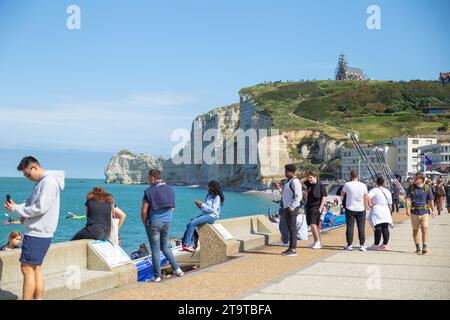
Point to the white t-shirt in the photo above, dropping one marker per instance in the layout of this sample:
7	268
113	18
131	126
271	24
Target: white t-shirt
380	212
380	201
355	192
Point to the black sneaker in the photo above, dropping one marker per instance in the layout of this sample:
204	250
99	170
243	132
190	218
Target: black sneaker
289	253
418	251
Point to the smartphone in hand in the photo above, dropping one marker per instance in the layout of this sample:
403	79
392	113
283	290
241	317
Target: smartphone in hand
8	198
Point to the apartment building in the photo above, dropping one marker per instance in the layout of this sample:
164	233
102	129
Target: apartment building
439	154
402	156
351	156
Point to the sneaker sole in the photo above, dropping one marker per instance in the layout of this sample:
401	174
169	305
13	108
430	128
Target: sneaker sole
290	255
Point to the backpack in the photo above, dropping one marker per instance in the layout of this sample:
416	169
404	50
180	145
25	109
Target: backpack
412	187
440	192
304	193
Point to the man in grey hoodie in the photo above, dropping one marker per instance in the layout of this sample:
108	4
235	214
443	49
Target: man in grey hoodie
39	216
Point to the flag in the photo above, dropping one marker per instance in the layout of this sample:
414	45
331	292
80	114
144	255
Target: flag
428	161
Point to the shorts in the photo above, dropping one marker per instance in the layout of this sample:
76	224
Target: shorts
34	250
312	216
420	220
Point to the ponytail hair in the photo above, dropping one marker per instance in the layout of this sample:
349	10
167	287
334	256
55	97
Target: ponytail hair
216	189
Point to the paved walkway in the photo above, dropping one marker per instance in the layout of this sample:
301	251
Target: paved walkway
398	274
327	273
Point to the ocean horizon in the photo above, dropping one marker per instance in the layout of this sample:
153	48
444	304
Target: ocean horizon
129	199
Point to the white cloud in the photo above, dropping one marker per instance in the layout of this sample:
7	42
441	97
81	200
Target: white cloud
138	122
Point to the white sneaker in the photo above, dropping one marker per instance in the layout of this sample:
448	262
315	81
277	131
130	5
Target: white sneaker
316	246
155	279
281	244
362	248
348	248
178	272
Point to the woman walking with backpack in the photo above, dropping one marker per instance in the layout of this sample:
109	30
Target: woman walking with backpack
380	216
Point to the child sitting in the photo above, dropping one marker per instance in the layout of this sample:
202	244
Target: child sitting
14	241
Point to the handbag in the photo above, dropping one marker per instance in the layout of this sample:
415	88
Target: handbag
114	232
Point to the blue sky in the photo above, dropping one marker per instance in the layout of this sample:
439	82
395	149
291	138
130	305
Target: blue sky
137	70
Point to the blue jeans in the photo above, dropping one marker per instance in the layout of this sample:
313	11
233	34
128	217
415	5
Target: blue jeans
158	236
201	219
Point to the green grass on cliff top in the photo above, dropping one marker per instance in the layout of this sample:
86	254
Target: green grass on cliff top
375	109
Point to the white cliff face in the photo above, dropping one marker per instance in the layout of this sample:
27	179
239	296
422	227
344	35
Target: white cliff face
199	169
274	151
128	168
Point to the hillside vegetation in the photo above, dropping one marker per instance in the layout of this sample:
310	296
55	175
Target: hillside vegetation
377	110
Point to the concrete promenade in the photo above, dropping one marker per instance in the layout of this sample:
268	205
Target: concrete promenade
317	274
397	274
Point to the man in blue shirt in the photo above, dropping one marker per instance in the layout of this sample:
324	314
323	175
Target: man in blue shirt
419	205
158	205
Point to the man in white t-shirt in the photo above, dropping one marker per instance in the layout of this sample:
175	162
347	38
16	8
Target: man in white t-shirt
355	210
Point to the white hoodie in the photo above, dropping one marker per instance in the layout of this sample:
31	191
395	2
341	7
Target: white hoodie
41	211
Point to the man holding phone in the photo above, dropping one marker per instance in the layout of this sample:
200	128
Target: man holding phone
39	216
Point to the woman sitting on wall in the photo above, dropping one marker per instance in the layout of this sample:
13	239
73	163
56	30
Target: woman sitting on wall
210	213
100	209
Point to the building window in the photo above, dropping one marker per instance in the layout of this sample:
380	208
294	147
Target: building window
429	142
414	150
415	142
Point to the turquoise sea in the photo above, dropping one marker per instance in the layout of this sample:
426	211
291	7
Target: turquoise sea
128	198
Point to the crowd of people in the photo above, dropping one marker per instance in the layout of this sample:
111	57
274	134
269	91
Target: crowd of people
306	197
39	216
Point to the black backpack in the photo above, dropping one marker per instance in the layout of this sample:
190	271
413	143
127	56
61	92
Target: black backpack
304	194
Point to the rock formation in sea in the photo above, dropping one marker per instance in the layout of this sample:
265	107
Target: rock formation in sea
128	168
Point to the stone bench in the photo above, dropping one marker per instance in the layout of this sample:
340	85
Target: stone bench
71	270
248	233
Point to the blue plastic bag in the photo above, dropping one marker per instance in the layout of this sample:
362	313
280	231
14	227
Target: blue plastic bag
145	270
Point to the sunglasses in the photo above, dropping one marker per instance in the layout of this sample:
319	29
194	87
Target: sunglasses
26	173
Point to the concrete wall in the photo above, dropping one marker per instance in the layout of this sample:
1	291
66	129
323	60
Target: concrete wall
248	232
94	275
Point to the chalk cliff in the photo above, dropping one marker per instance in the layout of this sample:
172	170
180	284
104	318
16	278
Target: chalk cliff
292	146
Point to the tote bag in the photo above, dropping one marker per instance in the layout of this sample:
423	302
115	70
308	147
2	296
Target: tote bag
114	233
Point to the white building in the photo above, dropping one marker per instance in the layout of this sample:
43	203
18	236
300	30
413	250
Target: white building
439	154
351	156
402	156
408	153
